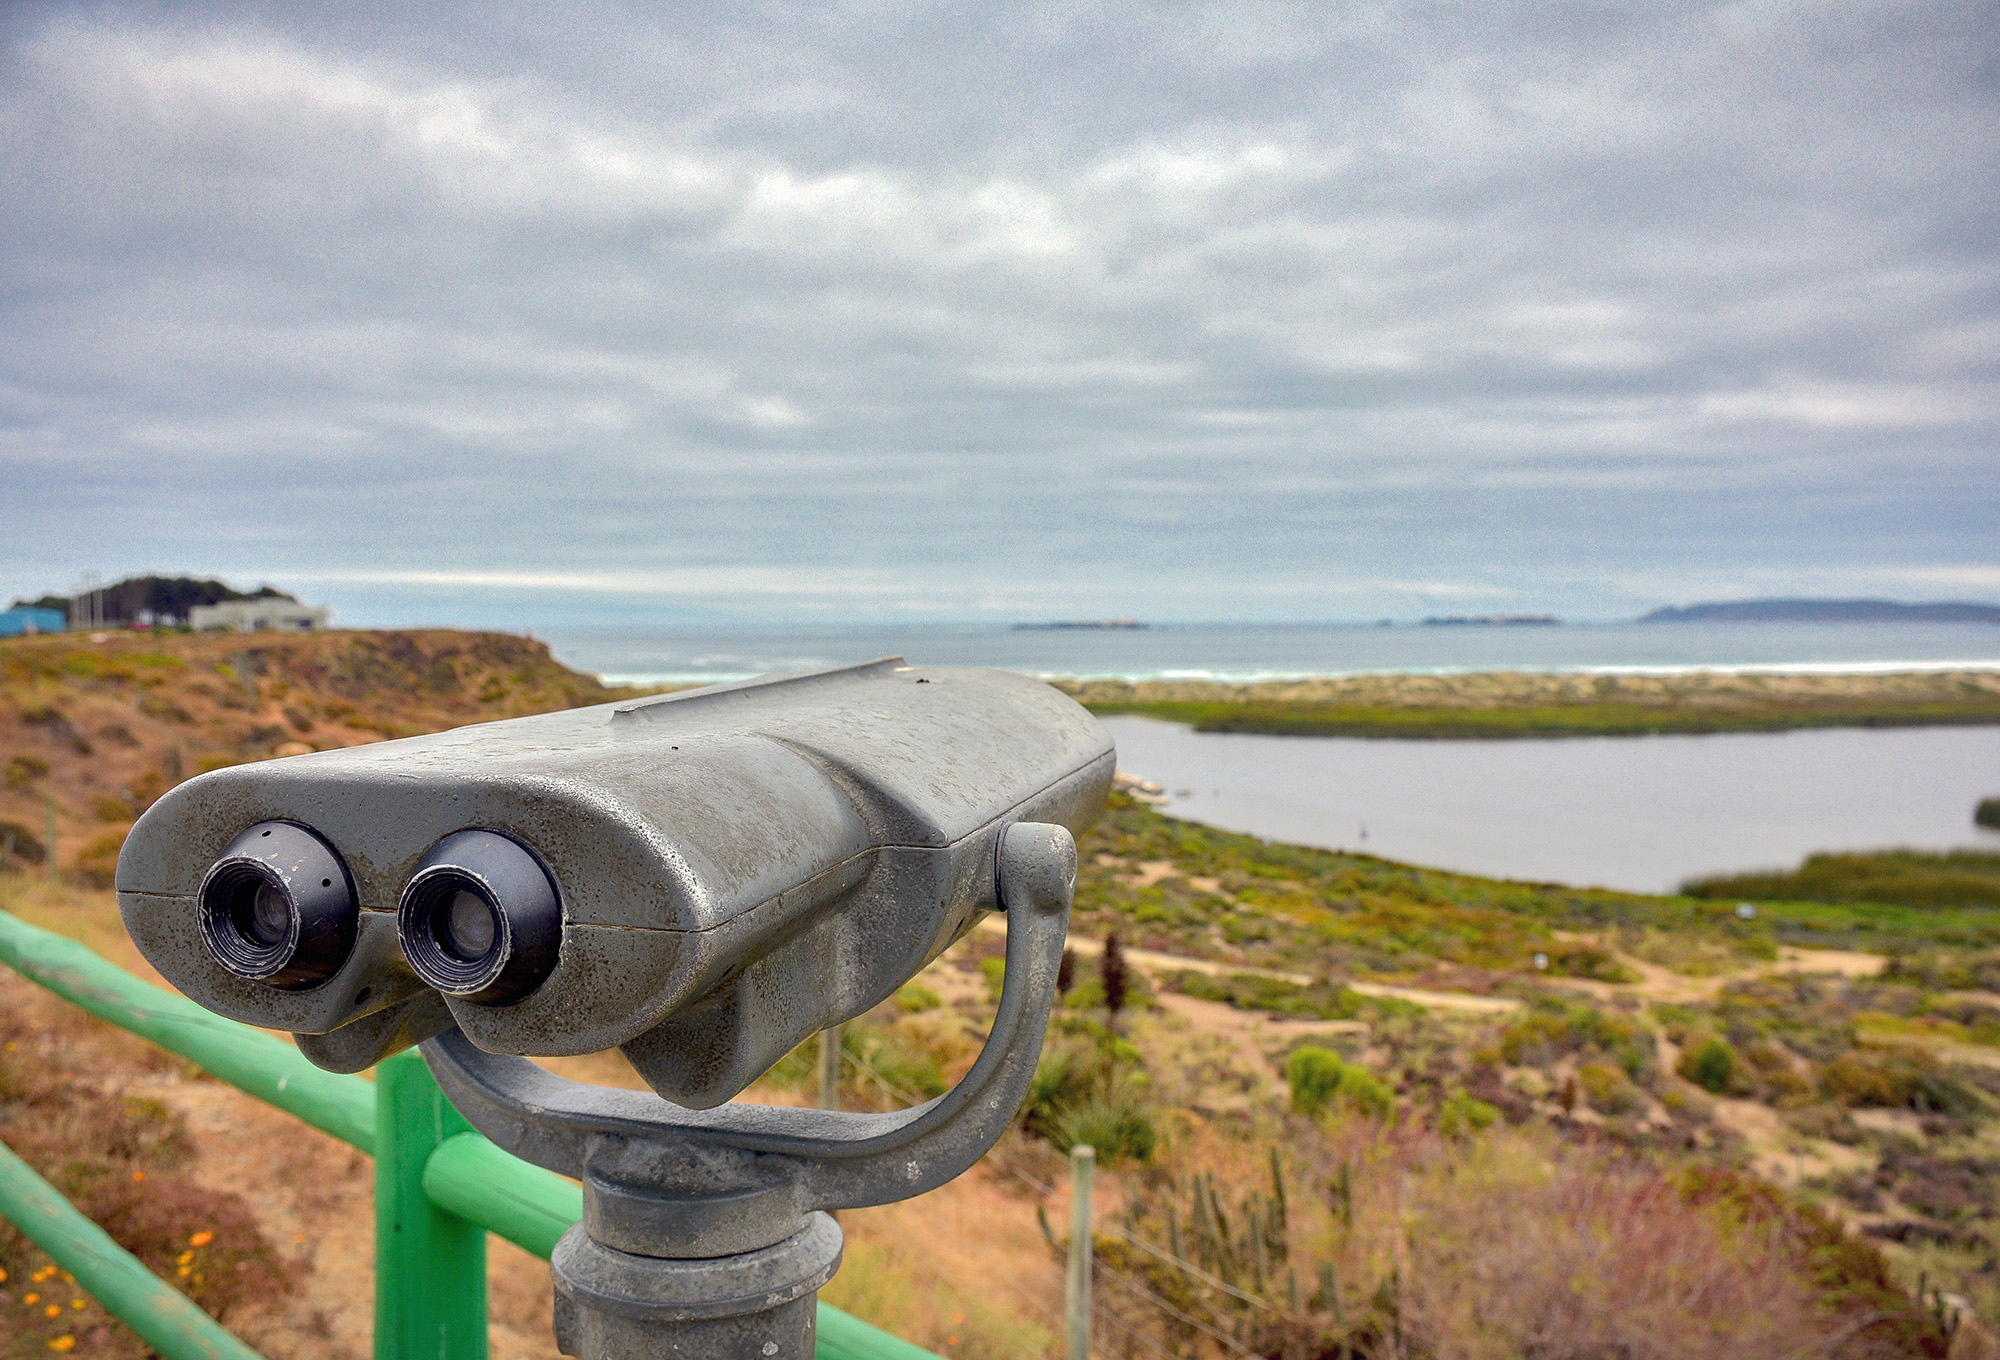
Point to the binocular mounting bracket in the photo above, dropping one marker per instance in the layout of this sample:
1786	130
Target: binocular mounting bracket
704	1232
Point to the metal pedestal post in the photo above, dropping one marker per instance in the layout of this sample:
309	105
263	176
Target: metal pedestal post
613	1305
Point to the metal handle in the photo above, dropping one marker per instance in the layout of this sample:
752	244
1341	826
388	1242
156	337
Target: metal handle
727	1179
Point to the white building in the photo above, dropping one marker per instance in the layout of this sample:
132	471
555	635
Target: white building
258	616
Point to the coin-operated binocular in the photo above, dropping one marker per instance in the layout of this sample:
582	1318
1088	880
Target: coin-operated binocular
701	880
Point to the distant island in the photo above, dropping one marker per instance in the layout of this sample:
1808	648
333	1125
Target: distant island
1826	611
1094	625
1492	621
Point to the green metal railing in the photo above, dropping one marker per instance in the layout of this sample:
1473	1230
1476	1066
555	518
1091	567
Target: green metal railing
440	1187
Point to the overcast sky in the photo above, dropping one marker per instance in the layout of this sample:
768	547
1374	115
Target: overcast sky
531	315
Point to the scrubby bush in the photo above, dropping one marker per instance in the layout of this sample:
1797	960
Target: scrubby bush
1318	1076
1586	961
18	845
913	998
1254	991
96	863
1911	878
1892	1079
1822	1119
1314	1076
1553	1028
1118	1127
121	1162
1609	1090
25	770
898	1061
1460	1115
1709	1065
994	969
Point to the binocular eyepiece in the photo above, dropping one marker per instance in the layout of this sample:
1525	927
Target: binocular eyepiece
479	920
279	908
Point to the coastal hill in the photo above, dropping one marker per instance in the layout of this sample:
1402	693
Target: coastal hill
1826	611
91	732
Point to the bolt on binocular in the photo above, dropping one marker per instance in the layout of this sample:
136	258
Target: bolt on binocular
701	879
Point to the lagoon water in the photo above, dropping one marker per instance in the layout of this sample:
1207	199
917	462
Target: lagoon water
1630	812
1640	813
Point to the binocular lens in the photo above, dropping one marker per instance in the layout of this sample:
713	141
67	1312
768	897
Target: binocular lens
469	928
480	919
278	908
262	912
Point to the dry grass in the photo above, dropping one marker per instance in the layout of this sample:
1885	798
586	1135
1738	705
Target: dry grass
97	731
1403	1244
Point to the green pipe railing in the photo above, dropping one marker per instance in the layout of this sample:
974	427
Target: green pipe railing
440	1187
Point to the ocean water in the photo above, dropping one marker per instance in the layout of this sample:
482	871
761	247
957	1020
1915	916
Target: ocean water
1639	813
1245	652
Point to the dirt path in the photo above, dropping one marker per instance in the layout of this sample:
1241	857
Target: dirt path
1154	961
1256	1036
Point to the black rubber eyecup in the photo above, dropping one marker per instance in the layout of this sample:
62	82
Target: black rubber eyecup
279	908
480	919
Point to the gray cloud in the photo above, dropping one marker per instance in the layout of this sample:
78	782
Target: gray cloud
919	310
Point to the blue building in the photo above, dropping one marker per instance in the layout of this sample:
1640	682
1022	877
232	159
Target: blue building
15	622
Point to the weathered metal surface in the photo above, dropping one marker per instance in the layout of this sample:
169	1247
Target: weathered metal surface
702	1234
738	867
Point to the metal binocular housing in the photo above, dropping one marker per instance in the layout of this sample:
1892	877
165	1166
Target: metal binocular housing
700	879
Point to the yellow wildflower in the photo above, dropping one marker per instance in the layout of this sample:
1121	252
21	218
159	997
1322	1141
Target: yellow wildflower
53	1310
201	1239
31	1298
76	1304
64	1342
184	1258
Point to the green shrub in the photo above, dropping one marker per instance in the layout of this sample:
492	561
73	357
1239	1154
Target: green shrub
1988	812
25	770
18	844
900	1063
1910	878
1065	1079
1823	1120
1892	1079
913	998
994	970
1600	965
1460	1115
1555	1027
1314	1076
1318	1076
96	863
1609	1090
1118	1128
1709	1065
1252	991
